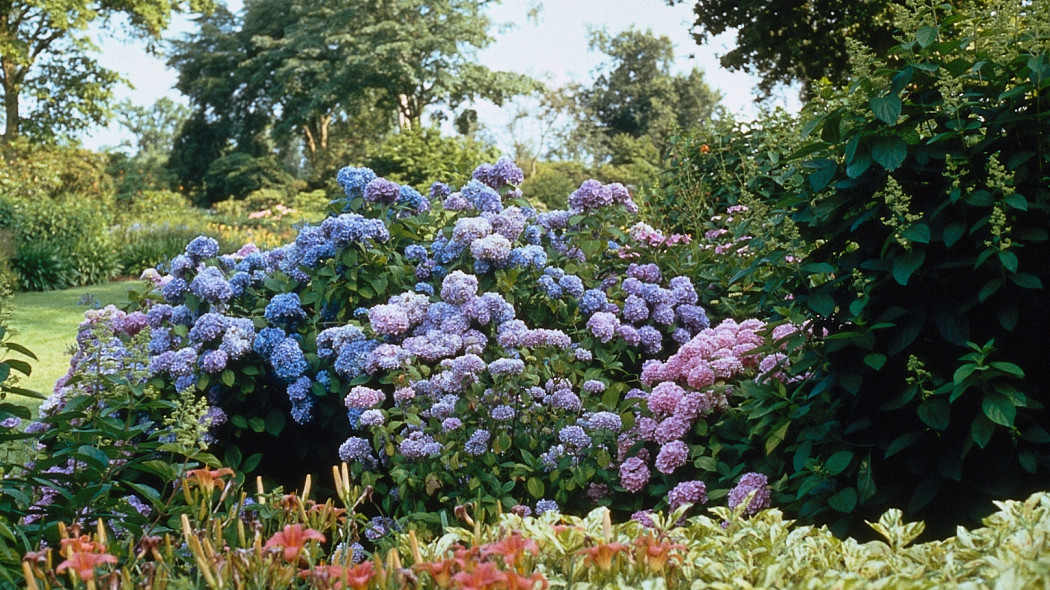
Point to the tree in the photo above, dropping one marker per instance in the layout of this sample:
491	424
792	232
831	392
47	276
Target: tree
51	86
786	41
145	165
297	71
635	95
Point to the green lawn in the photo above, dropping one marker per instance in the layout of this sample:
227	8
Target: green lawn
46	323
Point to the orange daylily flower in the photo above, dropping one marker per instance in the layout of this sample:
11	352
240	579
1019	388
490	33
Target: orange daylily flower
292	540
441	571
603	555
655	554
332	577
84	563
207	479
512	548
486	576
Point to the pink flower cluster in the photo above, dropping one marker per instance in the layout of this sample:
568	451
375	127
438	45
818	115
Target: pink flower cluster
715	354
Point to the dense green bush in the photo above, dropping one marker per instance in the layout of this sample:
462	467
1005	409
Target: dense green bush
422	156
548	182
236	175
926	196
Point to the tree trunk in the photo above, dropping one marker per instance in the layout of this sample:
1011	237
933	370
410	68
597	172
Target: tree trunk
12	122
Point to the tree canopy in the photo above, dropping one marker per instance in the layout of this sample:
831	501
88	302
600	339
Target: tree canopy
787	41
51	85
635	95
291	74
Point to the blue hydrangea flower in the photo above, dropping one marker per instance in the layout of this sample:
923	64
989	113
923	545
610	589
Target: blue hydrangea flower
288	360
354	180
175	290
266	339
202	247
593	300
284	309
545	505
572	285
481	197
208	327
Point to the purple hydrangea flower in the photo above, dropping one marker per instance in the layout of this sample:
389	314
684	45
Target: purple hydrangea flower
634	474
213	361
545	505
750	482
672	456
687	492
478	443
381	191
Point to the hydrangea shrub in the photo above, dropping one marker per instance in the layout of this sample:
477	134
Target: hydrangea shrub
461	347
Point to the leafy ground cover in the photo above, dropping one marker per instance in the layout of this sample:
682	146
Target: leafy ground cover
47	323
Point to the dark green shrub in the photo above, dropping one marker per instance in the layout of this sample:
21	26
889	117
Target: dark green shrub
42	266
236	175
548	182
720	185
420	157
926	195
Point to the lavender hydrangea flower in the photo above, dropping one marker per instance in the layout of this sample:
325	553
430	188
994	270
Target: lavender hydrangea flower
574	438
503	413
687	492
381	191
603	325
459	287
478	443
750	483
545	505
593	386
604	421
506	366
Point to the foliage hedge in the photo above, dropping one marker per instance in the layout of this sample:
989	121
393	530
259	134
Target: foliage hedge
922	190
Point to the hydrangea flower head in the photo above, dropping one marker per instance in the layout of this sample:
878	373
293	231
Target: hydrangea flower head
354	180
201	248
751	483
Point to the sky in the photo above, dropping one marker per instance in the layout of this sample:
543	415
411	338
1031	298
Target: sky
551	47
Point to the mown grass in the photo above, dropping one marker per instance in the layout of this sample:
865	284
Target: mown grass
46	323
